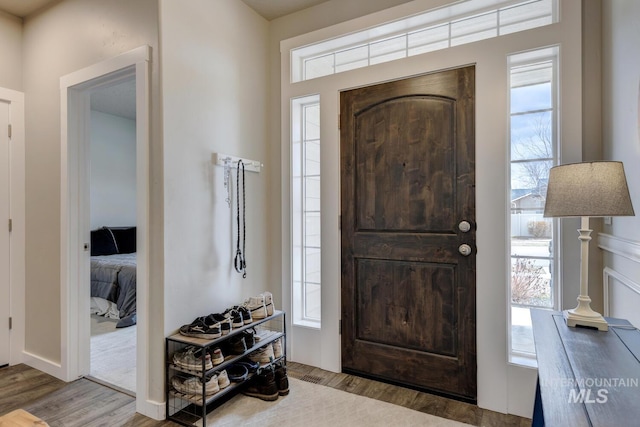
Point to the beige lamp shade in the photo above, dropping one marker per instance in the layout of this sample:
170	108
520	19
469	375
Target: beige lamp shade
588	189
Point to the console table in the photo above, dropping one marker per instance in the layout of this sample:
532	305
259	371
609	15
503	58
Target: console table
586	377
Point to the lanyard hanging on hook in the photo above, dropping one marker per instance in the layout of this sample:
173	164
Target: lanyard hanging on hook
240	262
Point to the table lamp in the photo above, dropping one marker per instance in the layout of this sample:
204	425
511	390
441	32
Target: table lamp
588	189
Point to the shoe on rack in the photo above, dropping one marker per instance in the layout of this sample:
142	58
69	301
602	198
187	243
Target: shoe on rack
225	322
246	314
250	365
193	385
201	328
235	316
277	348
191	359
223	380
263	355
237	372
282	380
236	345
217	357
249	338
263	386
256	306
268	302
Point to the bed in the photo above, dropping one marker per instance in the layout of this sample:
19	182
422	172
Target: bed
113	273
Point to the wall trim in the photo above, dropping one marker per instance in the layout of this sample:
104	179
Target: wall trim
608	273
40	363
629	249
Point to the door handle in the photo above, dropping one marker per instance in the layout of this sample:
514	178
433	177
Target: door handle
464	249
464	226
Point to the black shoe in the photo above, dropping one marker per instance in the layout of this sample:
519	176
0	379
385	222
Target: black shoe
236	345
201	328
235	316
246	314
225	322
282	380
249	339
263	386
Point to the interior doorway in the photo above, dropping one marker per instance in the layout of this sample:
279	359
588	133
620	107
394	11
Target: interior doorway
76	89
408	232
112	219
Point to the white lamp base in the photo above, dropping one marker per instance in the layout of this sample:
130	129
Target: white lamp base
593	320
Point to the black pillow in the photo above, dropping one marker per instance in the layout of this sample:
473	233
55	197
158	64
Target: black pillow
125	238
103	243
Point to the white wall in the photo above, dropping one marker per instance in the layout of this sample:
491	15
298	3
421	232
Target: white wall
10	52
621	140
113	170
66	37
215	92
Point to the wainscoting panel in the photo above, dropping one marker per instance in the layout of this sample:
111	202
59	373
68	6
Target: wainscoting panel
621	277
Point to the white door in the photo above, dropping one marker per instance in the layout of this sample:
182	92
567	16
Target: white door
4	233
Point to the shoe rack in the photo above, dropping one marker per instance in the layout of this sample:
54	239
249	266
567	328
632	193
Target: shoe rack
189	409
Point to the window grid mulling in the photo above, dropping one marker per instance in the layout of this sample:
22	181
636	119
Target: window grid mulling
507	20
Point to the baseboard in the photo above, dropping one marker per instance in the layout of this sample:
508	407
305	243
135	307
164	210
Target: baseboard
151	409
44	365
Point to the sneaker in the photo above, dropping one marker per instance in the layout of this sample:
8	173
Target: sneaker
246	314
235	316
256	306
193	385
223	380
225	322
237	372
277	348
201	328
263	355
268	302
250	365
192	359
263	386
217	357
237	345
249	338
282	380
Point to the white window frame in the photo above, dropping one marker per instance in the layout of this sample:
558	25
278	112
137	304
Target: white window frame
551	53
301	303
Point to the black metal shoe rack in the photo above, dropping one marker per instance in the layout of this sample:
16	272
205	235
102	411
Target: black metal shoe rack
187	409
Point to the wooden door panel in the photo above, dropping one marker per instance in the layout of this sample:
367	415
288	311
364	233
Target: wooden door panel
406	304
407	180
402	147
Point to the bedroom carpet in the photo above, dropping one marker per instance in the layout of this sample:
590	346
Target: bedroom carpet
113	353
313	405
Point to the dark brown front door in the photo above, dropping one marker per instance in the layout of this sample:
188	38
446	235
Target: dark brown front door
407	188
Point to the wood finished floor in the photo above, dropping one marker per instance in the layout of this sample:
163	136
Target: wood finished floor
73	404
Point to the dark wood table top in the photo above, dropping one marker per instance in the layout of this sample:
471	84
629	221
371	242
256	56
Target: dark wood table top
587	377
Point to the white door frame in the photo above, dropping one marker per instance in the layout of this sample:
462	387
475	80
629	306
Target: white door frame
74	202
17	215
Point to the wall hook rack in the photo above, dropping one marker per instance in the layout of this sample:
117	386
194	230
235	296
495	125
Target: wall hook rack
249	165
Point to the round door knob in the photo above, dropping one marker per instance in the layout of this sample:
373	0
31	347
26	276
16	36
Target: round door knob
464	226
464	249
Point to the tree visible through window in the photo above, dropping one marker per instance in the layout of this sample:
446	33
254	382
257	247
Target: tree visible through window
533	148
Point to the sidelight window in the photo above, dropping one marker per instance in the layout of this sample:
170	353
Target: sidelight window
533	151
305	168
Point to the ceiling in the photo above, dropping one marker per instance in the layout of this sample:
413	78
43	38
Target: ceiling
269	9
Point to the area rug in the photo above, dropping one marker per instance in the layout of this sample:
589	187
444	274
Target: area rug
113	353
313	405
